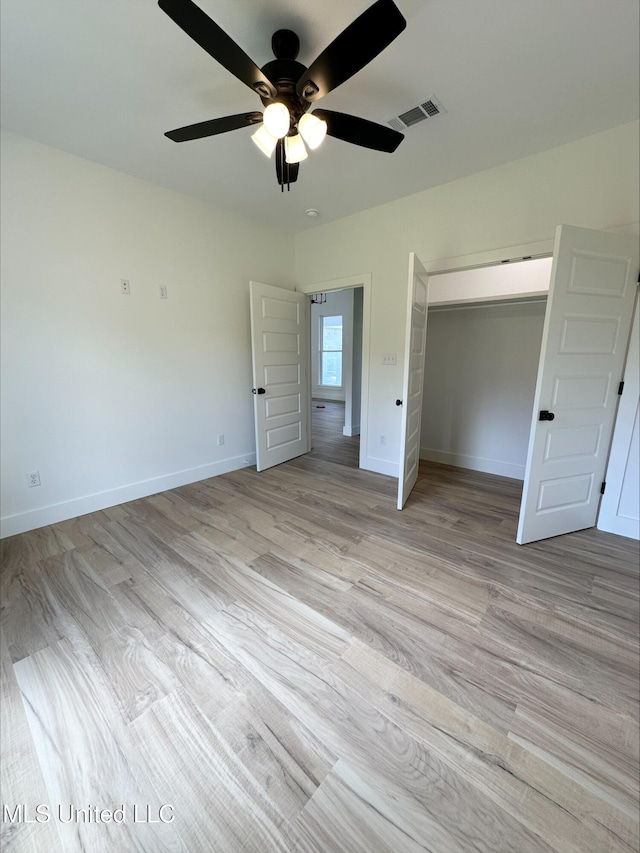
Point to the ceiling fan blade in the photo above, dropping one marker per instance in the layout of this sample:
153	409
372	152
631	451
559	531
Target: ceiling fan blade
360	131
205	32
356	46
213	127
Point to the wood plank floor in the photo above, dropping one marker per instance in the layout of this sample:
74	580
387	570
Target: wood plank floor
283	662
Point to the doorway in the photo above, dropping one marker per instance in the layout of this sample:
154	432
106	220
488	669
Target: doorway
336	370
350	415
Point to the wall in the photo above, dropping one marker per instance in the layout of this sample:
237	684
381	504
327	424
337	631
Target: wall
480	378
591	183
111	397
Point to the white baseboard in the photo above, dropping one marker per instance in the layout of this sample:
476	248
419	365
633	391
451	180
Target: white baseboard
475	463
352	430
10	525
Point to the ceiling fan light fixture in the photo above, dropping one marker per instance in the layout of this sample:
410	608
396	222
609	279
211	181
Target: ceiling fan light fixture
287	88
294	150
277	120
264	140
312	129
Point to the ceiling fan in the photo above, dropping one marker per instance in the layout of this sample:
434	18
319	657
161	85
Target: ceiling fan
288	89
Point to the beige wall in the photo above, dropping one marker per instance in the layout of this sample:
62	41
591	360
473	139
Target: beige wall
592	183
108	396
112	397
480	380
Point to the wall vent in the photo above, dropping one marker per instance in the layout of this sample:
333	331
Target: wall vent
427	109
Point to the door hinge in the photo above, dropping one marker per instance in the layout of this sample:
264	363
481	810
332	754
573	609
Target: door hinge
603	487
621	388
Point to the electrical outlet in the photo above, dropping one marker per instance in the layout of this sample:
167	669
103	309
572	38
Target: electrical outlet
383	439
125	287
33	479
163	291
221	439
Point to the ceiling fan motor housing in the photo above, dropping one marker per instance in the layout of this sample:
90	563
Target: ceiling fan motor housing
285	44
284	72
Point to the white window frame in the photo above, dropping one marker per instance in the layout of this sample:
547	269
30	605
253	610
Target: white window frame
321	350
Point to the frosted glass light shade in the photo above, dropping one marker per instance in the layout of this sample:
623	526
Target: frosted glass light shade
277	120
294	150
264	140
313	130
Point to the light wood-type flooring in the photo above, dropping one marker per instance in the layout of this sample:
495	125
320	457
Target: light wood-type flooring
284	662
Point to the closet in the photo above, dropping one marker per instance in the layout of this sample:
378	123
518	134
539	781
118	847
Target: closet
484	331
479	372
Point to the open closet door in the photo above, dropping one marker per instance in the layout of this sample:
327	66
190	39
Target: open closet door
620	507
281	388
413	382
584	342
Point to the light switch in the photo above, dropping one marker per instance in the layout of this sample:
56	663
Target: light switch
389	358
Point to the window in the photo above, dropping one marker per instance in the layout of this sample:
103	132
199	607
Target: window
331	351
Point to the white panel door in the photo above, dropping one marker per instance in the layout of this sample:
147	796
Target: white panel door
413	382
584	342
280	347
620	507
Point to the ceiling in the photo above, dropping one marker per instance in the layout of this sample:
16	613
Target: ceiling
103	79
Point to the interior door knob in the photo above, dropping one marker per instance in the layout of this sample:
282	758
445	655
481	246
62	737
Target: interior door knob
398	402
258	391
546	416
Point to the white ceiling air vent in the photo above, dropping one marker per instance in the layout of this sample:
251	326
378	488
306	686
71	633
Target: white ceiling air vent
427	109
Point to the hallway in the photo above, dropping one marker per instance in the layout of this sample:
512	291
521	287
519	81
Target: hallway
328	442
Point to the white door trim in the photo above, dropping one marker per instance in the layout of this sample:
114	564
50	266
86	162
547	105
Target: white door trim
491	258
522	251
363	281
